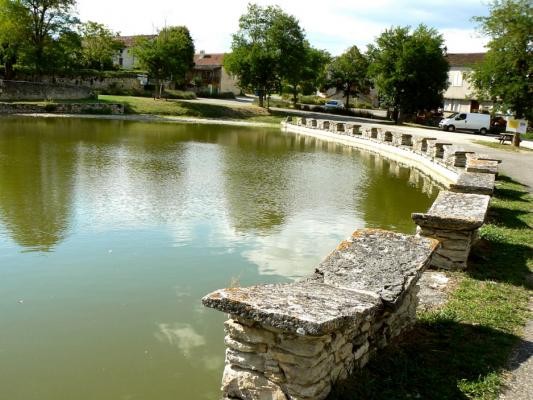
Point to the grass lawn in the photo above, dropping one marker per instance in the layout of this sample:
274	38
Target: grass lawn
505	147
177	108
460	351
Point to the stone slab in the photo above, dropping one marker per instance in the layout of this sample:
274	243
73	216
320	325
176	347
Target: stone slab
305	308
455	211
380	263
483	166
474	182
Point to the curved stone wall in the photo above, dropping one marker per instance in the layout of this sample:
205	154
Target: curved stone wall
295	341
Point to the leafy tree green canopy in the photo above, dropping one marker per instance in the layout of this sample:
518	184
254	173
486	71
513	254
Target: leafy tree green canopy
409	69
39	33
269	47
169	56
100	44
506	73
349	72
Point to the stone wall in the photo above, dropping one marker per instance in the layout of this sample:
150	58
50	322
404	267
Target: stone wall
295	341
21	90
62	108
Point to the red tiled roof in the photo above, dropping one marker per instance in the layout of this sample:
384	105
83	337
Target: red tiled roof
129	41
464	59
211	60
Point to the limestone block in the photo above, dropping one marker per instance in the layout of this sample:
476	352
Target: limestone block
289	358
245	347
474	182
251	361
344	352
308	376
324	125
303	346
249	385
481	166
455	211
318	391
377	263
248	334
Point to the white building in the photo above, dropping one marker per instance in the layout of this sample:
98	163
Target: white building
460	97
125	59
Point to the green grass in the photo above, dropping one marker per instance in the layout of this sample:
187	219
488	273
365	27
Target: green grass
461	350
505	147
144	105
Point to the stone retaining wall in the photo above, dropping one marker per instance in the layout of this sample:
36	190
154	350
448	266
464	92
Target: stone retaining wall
22	90
62	108
295	341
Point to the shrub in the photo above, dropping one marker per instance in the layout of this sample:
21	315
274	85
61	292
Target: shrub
179	94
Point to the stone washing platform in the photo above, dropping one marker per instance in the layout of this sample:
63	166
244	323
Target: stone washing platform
453	219
294	341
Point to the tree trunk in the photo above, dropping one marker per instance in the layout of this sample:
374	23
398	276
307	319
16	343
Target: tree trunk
261	94
516	139
395	115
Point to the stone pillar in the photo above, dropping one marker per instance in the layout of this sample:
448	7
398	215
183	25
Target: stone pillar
324	125
453	220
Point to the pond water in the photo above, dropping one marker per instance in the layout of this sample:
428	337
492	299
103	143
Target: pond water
112	231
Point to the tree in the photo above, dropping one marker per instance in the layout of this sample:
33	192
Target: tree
506	73
99	45
269	47
11	34
349	72
310	72
44	21
409	70
167	57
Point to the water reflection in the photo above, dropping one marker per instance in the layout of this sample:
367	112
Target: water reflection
36	184
145	219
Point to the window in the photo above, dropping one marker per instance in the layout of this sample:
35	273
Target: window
460	117
455	78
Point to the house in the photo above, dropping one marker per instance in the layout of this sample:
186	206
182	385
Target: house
460	97
209	76
125	58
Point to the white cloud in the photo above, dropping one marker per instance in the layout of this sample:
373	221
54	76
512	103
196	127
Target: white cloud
182	336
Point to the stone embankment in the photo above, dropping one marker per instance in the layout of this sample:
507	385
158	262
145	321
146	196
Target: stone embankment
23	90
295	341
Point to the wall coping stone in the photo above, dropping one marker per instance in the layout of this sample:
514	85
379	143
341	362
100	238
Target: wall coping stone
455	211
474	182
369	271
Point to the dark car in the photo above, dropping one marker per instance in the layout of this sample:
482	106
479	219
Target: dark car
498	125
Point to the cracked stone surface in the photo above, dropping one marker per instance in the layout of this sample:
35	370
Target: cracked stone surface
474	182
455	211
306	308
379	262
370	270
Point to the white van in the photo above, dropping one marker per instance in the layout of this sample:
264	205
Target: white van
466	122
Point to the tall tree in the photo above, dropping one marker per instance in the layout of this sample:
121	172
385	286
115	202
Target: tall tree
269	47
309	72
349	72
506	73
99	45
167	57
45	20
409	69
12	20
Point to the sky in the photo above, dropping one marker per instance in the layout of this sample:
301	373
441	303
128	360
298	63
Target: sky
334	25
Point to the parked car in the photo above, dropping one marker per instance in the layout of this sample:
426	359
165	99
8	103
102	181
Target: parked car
466	122
333	105
498	125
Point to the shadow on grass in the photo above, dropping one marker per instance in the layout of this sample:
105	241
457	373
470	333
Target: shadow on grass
508	218
500	262
437	360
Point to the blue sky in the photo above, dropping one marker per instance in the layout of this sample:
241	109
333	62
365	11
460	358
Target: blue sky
334	25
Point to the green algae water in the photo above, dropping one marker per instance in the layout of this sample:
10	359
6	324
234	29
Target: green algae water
112	231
